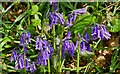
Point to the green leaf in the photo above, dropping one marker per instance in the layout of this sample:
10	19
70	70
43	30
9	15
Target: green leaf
7	46
34	9
33	56
19	18
6	39
17	42
31	29
36	22
39	13
42	5
67	4
82	22
116	25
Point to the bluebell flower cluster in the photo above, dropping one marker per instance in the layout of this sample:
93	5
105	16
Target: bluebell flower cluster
73	15
25	38
56	18
84	45
45	50
20	59
99	31
68	45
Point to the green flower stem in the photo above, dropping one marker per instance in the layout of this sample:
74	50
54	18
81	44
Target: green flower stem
60	55
54	44
78	56
97	44
49	66
97	4
62	63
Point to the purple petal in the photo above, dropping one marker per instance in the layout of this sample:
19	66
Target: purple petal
87	37
76	46
21	63
32	67
16	66
88	47
27	64
80	11
82	46
14	56
25	49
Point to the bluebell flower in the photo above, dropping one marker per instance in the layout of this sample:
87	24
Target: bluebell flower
87	37
84	45
99	31
43	57
16	66
71	49
56	18
39	43
80	11
68	45
41	60
45	44
71	19
88	47
32	67
50	51
72	16
14	56
21	62
68	36
27	63
25	38
45	51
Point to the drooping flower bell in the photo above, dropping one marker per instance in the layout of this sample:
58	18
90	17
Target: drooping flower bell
27	64
21	62
14	56
43	57
72	16
39	43
68	45
25	38
56	18
99	31
85	46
